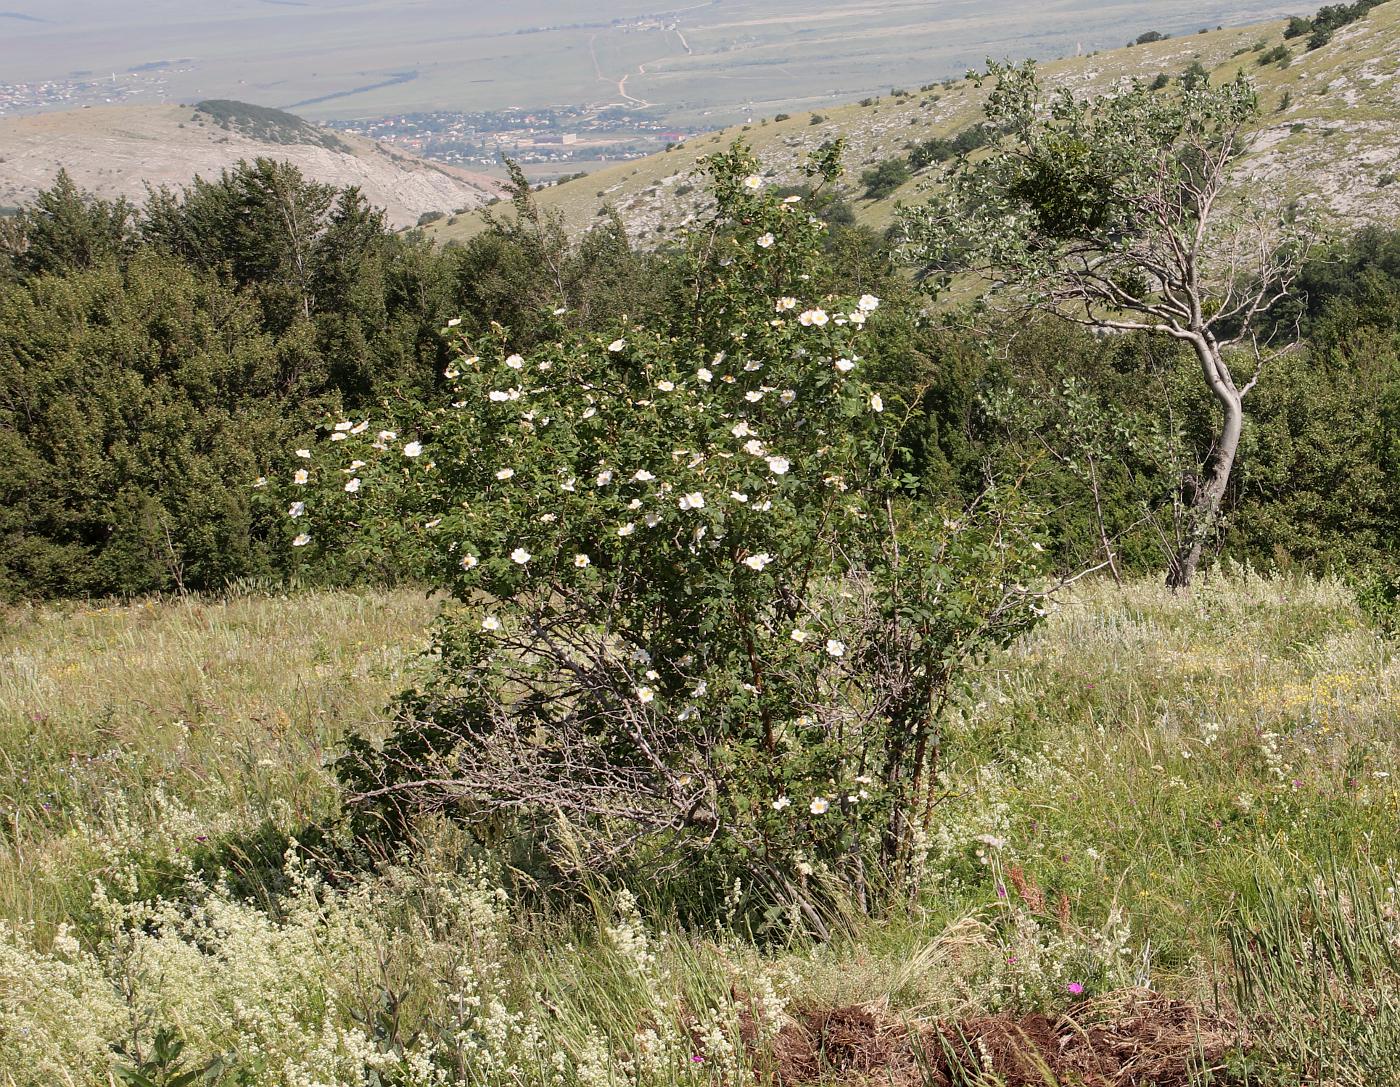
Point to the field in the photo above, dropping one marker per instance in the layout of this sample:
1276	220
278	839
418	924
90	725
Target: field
700	65
1127	789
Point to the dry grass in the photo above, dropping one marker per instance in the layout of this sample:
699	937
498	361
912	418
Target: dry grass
112	718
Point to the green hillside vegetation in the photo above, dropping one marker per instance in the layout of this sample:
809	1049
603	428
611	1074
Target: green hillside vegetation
266	124
1324	135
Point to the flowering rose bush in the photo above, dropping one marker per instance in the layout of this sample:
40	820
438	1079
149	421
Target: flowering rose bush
694	596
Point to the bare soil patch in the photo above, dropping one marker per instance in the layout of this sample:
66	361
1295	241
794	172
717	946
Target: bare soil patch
1134	1039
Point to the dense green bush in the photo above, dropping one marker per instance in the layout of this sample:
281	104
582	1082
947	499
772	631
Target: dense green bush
155	362
883	179
700	607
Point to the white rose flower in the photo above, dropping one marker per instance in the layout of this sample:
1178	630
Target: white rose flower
581	560
759	561
520	556
515	362
835	648
781	803
692	501
778	465
765	241
297	509
352	486
845	365
413	449
302	540
645	695
468	562
787	302
704	375
605	477
617	345
876	404
819	806
304	454
753	183
754	448
490	623
300	476
868	303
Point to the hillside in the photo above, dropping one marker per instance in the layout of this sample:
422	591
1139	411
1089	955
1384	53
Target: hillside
118	150
1329	133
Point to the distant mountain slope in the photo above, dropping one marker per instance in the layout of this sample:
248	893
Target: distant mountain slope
1329	133
118	150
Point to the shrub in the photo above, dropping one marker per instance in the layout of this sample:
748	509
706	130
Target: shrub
699	605
881	180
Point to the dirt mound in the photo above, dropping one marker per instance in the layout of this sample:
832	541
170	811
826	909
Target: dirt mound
1136	1039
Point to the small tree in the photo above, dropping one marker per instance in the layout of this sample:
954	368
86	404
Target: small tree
1112	212
697	600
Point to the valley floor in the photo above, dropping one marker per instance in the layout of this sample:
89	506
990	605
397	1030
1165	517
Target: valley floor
1172	817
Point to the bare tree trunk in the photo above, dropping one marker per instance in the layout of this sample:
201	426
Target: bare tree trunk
1205	509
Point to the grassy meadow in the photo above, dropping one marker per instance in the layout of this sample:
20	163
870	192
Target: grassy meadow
1141	784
